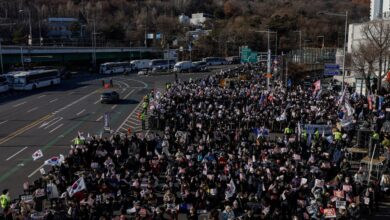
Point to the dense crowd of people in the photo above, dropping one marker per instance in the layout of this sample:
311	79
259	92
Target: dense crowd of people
224	147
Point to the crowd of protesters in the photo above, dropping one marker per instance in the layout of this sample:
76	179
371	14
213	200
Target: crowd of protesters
226	147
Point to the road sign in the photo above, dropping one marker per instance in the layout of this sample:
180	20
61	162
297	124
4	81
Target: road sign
107	121
331	69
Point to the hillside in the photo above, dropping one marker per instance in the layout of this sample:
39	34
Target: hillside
124	21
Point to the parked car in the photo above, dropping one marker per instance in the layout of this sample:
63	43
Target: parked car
183	66
109	97
213	61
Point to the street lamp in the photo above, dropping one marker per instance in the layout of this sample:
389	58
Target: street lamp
1	57
345	37
30	28
300	45
269	53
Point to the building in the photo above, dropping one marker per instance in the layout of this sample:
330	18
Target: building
184	19
376	9
380	9
196	34
65	28
199	19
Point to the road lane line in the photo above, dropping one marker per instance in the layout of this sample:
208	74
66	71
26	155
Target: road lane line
24	129
41	96
129	94
130	115
14	169
17	105
55	128
54	100
96	102
71	93
114	106
100	118
9	158
44	124
35	171
3	122
53	123
80	112
75	102
33	109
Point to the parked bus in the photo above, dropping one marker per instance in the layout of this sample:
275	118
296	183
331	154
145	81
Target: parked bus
212	61
3	84
160	64
140	64
115	67
28	80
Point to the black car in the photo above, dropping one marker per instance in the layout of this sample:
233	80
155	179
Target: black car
109	97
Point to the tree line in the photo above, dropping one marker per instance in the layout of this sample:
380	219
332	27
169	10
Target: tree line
234	23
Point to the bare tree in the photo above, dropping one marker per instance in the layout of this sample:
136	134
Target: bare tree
377	33
363	59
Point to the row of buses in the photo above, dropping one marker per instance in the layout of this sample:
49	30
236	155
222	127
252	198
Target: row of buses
159	65
29	80
136	65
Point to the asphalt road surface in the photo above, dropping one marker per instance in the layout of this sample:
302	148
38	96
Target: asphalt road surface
50	118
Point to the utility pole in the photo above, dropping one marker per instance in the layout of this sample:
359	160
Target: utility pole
1	57
94	44
21	57
268	54
268	62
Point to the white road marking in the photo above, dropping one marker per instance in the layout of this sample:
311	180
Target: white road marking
139	81
33	109
41	96
114	106
46	123
71	93
55	128
54	100
96	102
75	102
53	123
3	122
100	118
35	171
129	94
80	112
131	114
9	158
17	105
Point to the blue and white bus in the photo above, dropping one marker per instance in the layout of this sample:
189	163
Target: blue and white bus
3	84
32	79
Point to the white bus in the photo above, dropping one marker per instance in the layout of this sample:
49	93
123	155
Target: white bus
115	67
28	80
3	84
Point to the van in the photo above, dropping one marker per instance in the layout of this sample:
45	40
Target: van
140	64
183	66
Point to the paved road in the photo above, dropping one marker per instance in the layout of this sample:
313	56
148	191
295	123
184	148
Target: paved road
49	118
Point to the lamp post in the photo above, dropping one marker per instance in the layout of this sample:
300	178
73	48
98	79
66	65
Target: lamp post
1	57
345	37
30	41
269	53
300	45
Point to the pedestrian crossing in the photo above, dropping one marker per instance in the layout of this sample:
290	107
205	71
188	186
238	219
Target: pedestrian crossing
133	121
